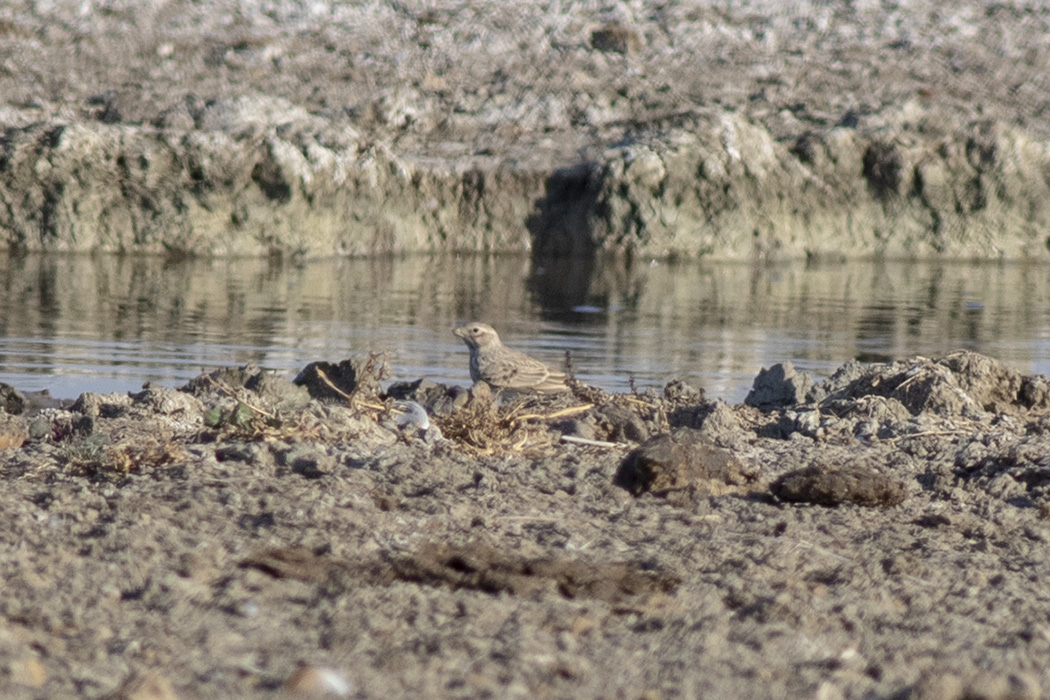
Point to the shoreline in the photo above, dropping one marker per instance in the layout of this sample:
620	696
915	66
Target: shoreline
808	131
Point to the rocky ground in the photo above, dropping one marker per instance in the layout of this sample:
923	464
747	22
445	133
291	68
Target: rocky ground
881	534
764	130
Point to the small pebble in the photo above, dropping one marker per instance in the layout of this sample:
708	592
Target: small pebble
317	681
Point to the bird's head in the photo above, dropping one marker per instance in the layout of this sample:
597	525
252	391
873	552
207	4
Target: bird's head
477	335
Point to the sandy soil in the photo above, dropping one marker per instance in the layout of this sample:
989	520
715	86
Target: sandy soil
880	534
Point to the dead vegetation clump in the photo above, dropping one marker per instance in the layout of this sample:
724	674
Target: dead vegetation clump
96	457
521	424
540	422
252	410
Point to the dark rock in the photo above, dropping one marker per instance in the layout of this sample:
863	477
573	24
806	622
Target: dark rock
680	461
615	38
11	400
832	486
330	381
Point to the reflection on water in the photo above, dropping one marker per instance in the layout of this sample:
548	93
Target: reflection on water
100	323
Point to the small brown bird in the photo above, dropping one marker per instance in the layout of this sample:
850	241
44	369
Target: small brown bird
500	367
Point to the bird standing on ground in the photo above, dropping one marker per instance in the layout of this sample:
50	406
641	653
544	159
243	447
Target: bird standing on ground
500	367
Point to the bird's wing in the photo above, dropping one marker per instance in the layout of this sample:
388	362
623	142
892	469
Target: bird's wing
513	369
554	382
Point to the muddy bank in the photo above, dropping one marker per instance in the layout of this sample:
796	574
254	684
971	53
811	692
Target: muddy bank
878	534
659	129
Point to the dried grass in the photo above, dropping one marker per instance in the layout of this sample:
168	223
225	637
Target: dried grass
94	458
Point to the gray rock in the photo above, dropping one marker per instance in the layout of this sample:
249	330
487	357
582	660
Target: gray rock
779	386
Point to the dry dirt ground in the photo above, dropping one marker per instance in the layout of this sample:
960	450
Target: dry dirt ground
881	534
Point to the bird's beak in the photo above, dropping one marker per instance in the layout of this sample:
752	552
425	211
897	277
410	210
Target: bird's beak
461	331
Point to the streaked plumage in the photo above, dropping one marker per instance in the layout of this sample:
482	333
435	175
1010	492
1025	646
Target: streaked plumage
500	367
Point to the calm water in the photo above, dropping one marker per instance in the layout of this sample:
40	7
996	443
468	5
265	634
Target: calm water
97	323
